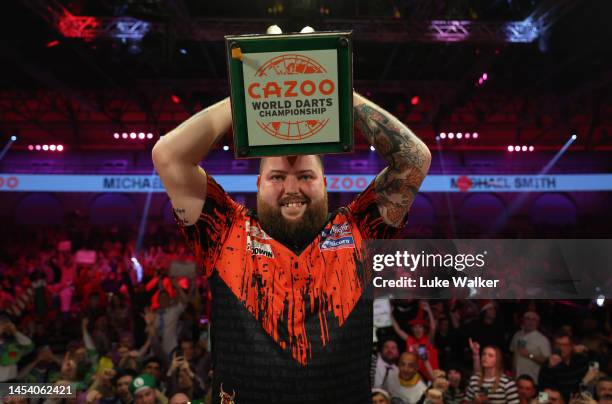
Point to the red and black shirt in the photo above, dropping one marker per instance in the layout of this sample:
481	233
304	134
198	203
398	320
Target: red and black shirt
288	327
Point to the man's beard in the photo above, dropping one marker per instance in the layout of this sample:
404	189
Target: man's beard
293	233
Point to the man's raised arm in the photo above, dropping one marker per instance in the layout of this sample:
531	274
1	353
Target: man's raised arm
407	157
177	155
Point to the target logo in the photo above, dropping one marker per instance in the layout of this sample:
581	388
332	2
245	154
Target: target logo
290	93
9	182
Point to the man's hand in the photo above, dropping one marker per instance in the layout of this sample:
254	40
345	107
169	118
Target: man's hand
554	360
407	157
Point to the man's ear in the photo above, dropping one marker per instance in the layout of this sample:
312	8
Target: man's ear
258	181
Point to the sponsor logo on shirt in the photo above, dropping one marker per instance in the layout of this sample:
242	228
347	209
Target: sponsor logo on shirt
256	247
336	237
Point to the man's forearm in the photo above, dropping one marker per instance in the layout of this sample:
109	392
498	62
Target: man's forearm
192	140
395	143
407	158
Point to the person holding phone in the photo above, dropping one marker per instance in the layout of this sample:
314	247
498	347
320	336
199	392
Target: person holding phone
530	347
491	385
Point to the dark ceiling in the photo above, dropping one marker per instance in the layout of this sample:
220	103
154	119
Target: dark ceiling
79	92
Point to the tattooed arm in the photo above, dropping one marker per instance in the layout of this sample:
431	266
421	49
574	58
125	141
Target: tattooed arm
177	155
407	158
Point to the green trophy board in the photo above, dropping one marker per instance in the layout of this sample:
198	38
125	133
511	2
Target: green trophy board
291	93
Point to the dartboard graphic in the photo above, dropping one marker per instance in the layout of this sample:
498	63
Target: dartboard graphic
285	65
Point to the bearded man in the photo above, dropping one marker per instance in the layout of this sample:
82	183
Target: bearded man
290	323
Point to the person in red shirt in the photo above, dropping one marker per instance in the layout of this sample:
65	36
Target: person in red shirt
290	323
419	342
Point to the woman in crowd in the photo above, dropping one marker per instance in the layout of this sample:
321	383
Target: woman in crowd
490	385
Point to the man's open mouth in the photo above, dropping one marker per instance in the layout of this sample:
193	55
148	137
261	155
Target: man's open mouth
293	204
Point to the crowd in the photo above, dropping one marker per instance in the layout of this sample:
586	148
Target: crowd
483	351
126	320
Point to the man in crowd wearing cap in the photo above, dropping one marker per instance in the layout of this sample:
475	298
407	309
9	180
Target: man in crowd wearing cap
143	390
289	321
13	346
531	348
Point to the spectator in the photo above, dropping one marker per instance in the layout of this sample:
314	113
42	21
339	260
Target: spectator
526	389
122	381
167	317
530	347
42	369
181	379
554	396
603	387
487	330
456	385
13	346
405	383
179	398
380	396
491	385
384	362
566	366
143	390
419	342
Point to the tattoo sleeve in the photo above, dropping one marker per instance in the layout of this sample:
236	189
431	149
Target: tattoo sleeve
407	158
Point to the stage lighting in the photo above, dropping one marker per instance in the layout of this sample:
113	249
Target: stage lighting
451	135
517	148
510	148
442	135
124	135
38	147
13	138
467	135
485	76
45	147
574	137
475	135
414	100
183	51
524	148
52	147
60	148
141	135
133	135
51	44
531	148
31	147
372	148
149	136
226	147
459	135
175	98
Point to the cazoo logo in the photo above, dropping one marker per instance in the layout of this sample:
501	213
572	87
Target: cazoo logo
9	182
339	183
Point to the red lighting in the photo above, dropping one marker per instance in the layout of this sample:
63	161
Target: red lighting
475	135
60	148
124	135
414	100
37	147
45	147
30	147
141	135
149	136
116	135
133	135
175	98
510	148
51	44
52	147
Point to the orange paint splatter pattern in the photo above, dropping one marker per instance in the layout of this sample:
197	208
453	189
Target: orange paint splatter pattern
278	287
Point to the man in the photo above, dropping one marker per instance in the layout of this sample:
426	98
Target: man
384	362
526	388
143	390
565	367
603	388
405	383
179	398
13	346
554	396
531	348
290	324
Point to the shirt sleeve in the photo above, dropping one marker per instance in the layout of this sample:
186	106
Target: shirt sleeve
207	235
364	211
